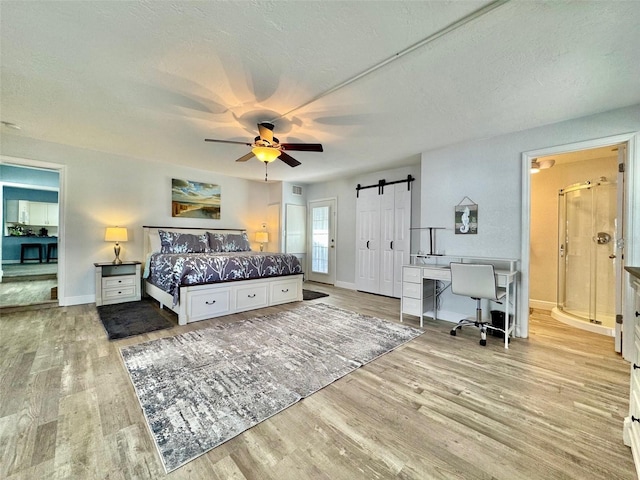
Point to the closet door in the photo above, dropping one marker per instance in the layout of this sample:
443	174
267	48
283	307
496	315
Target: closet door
387	240
401	235
368	240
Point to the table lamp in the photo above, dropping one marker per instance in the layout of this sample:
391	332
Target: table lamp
116	234
262	238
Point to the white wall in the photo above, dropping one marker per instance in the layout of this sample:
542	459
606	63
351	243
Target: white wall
344	190
490	172
101	190
104	190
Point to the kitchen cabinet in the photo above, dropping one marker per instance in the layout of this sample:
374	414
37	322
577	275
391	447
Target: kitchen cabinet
17	211
43	214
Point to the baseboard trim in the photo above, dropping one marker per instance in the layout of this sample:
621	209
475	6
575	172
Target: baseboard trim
79	300
542	304
347	285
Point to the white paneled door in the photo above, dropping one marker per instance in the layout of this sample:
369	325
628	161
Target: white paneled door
368	240
383	218
322	238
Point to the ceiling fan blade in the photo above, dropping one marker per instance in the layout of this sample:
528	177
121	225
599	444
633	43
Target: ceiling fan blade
226	141
266	131
303	147
246	157
289	160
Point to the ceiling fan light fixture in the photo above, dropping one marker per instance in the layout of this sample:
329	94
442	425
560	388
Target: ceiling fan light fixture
266	154
535	167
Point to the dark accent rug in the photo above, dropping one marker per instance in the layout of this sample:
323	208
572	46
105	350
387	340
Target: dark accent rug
202	388
311	295
123	320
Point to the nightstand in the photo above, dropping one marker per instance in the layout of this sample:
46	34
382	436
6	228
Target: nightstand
117	283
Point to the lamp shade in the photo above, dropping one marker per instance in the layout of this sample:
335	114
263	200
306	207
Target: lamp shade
262	237
115	234
266	154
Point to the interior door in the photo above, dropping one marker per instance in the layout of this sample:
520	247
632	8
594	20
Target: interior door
368	240
387	237
295	229
402	235
322	241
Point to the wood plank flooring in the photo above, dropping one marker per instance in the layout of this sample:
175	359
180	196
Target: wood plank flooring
439	407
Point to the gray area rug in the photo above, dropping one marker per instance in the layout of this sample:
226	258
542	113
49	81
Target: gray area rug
123	320
312	295
202	388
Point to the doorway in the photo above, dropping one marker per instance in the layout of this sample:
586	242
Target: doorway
322	241
575	230
31	234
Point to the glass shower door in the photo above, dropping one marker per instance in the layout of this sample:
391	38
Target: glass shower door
575	248
604	274
586	273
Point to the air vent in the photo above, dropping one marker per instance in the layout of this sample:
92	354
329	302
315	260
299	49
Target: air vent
296	190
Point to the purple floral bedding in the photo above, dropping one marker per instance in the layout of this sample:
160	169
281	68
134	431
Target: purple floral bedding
170	271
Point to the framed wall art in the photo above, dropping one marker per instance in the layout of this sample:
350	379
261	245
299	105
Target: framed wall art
194	199
466	217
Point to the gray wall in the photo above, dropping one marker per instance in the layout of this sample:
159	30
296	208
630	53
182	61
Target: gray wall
100	190
344	190
490	172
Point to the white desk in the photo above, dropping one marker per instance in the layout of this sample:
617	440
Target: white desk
420	294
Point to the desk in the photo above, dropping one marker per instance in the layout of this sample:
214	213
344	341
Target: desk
420	287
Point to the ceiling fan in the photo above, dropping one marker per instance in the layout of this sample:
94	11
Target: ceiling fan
267	148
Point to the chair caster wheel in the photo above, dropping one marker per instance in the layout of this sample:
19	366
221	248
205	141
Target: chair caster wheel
452	333
483	343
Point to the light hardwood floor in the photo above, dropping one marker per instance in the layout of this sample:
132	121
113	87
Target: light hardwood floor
441	407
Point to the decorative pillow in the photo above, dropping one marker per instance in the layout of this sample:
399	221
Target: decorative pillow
229	242
176	242
154	242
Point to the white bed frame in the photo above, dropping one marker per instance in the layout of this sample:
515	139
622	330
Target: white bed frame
200	302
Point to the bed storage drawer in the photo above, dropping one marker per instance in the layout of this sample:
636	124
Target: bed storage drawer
284	291
251	296
208	303
201	302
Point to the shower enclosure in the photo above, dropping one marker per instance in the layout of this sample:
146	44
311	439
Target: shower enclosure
587	248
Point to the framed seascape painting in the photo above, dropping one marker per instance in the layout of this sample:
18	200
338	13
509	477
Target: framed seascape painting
194	199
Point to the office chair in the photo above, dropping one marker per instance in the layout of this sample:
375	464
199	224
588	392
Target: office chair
476	281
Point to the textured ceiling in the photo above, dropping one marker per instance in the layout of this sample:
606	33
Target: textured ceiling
151	80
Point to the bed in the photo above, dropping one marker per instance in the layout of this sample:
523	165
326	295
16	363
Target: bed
201	273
